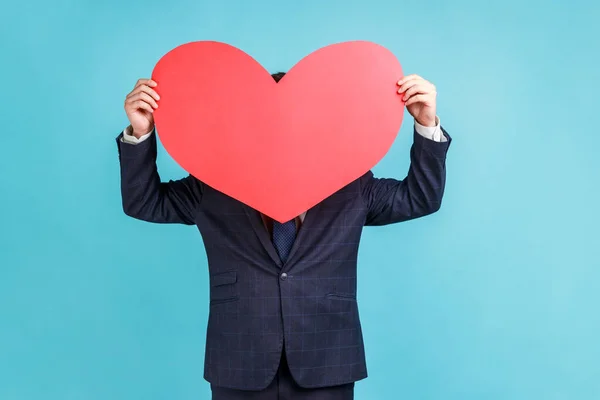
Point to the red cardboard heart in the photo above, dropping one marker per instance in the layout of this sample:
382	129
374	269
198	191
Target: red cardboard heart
280	148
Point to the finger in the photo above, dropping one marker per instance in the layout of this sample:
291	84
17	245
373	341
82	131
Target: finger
408	78
414	88
144	89
419	98
136	90
141	105
145	97
418	89
151	92
145	81
408	84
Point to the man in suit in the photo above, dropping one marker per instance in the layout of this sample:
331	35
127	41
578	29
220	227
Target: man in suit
283	321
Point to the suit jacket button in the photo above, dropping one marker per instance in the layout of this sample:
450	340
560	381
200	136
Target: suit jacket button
283	276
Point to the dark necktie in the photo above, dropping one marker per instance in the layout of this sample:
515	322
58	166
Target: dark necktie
283	238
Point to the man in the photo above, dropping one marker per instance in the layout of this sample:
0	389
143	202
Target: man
283	321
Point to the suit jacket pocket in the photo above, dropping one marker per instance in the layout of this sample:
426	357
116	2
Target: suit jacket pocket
342	296
223	278
223	287
225	300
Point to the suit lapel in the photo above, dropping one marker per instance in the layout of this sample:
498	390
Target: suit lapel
261	231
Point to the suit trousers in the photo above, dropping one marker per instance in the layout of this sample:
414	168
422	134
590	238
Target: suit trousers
283	387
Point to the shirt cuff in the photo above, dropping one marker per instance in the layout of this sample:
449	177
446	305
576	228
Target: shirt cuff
431	132
130	139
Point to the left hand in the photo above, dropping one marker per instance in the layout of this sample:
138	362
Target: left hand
420	97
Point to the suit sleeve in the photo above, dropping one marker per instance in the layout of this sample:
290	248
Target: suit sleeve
390	200
143	194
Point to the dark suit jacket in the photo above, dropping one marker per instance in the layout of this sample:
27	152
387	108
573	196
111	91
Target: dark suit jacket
259	306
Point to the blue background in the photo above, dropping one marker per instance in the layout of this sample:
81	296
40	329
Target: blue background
493	297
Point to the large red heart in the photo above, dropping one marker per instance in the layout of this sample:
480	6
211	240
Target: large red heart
280	147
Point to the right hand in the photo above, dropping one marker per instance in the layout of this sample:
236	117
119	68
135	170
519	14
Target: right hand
139	106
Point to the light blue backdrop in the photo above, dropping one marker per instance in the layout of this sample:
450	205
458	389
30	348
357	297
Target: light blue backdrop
494	297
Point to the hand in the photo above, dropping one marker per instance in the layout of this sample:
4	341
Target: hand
419	96
139	106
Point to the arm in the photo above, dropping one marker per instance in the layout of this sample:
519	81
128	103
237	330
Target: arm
143	194
419	193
